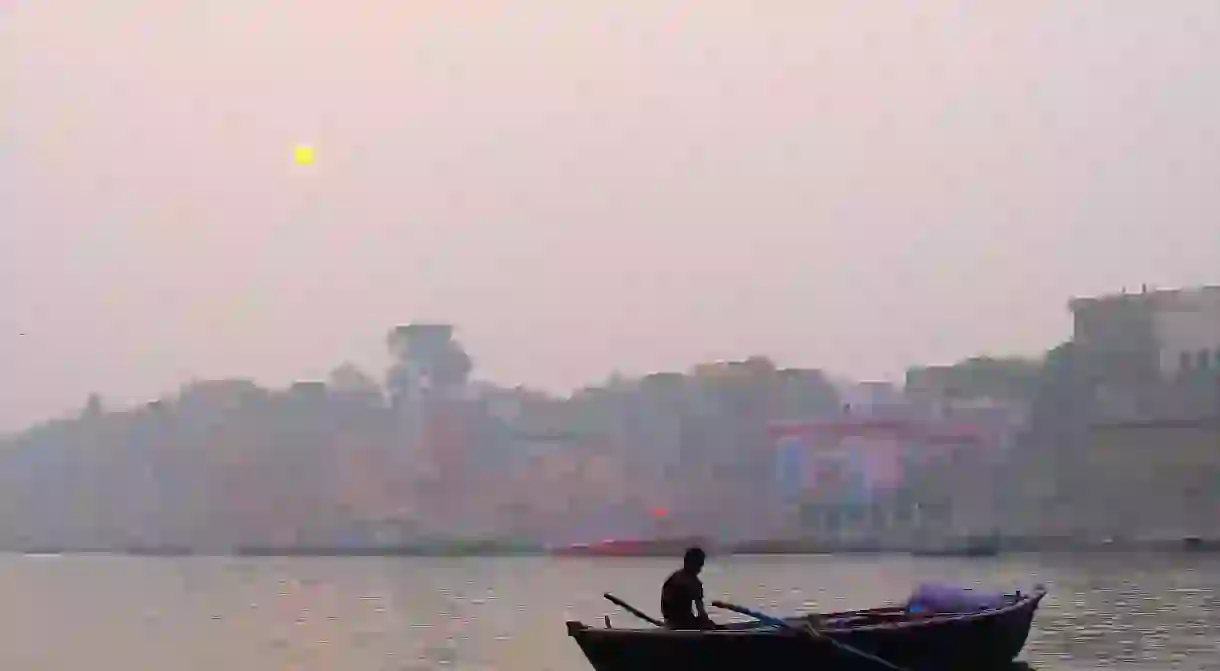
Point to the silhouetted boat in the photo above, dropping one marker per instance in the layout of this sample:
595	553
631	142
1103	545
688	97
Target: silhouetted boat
969	546
657	547
980	550
988	639
1198	544
958	552
807	546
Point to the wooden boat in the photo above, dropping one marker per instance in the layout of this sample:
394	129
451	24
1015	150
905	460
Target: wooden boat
657	547
988	639
1198	544
967	549
964	552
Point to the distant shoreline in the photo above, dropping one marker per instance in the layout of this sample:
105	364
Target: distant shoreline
1005	546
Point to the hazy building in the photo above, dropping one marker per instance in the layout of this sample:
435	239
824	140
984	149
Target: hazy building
1149	336
1155	354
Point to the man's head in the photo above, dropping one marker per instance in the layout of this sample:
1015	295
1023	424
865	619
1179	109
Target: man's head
693	560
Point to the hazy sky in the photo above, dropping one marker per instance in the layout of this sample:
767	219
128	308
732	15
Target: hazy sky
584	185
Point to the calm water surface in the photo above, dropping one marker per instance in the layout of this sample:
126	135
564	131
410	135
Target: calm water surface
120	613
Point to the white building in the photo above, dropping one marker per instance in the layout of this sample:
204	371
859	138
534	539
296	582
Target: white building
1186	326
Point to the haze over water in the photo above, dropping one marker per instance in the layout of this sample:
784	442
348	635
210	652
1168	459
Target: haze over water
584	186
119	613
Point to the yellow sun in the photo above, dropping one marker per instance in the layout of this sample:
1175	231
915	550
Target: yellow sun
302	154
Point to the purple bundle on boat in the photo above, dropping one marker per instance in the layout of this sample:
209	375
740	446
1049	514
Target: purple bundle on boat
941	598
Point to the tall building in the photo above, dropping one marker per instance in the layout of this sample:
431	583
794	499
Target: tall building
1150	336
1152	355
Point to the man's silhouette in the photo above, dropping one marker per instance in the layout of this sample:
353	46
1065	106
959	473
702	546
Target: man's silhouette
682	595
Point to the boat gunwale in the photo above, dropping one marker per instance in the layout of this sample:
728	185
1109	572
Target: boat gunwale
1029	600
1024	601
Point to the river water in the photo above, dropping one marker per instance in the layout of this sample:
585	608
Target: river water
106	613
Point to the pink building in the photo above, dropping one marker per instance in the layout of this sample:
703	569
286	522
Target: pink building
876	472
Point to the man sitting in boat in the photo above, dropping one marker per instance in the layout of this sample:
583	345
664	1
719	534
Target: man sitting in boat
682	595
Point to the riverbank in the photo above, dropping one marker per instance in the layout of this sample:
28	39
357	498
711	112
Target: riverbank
450	549
1001	545
990	547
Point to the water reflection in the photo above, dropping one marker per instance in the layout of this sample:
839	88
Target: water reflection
508	614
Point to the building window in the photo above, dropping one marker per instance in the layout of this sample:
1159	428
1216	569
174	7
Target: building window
1204	359
1216	359
1184	362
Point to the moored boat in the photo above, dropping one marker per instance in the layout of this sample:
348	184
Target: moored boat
657	547
1198	544
963	546
965	551
844	641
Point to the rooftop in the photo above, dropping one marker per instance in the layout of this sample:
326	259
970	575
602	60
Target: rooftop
1149	297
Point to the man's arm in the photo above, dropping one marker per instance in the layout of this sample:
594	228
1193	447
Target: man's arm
701	609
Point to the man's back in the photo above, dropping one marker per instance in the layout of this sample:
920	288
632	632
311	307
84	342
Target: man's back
681	590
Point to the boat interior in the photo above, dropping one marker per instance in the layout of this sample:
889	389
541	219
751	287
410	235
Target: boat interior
869	617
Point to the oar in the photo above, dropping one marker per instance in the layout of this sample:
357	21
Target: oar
765	619
776	622
631	609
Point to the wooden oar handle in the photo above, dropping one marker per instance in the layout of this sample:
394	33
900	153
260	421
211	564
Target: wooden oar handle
630	609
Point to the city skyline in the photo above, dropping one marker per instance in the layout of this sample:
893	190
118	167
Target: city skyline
846	385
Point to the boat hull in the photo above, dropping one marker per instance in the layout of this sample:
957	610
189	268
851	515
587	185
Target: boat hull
660	547
975	641
970	546
958	552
